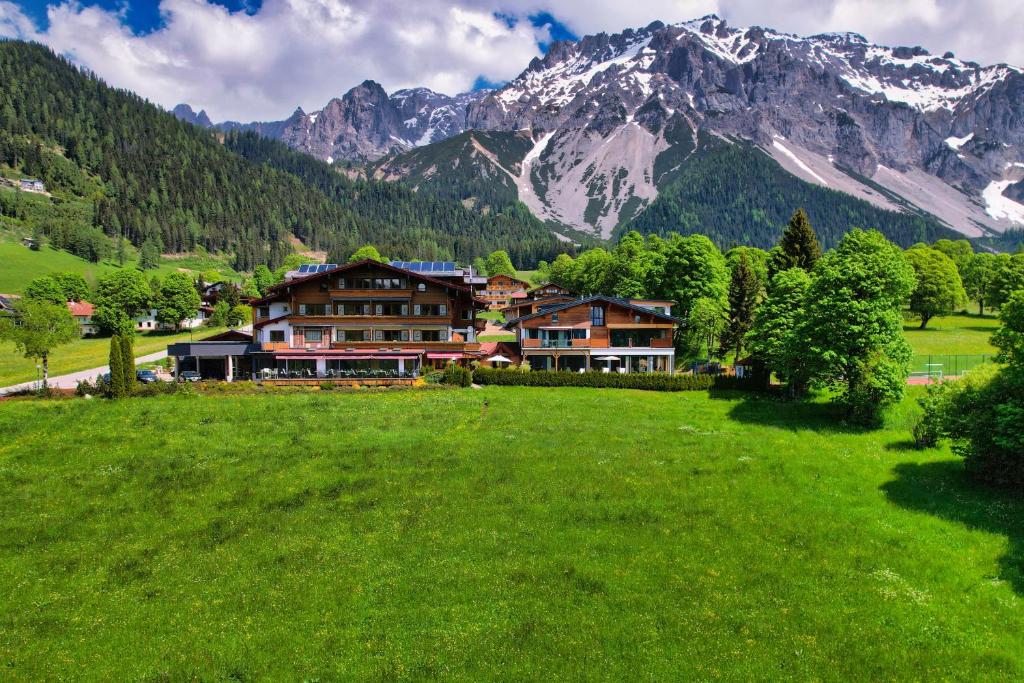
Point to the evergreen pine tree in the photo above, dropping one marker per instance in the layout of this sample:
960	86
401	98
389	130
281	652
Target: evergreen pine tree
744	293
128	363
116	375
799	247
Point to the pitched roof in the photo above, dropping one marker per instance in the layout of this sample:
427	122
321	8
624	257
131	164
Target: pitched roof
588	300
275	290
82	308
536	302
514	279
550	284
229	335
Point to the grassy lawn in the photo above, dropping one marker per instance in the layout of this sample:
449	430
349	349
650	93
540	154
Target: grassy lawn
954	334
466	534
83	354
496	316
504	337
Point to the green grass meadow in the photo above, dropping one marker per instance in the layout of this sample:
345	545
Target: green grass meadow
502	533
89	352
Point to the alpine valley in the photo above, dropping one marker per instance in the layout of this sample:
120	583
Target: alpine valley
702	127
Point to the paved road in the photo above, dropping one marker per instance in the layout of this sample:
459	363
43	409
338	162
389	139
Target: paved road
70	381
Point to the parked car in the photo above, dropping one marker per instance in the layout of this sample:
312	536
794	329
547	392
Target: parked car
146	376
189	376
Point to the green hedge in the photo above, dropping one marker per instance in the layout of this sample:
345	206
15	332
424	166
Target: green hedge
547	378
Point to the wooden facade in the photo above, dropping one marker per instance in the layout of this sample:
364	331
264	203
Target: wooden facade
502	290
549	290
576	335
365	320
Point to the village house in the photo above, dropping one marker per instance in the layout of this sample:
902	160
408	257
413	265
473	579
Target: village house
526	306
598	333
363	320
82	311
503	290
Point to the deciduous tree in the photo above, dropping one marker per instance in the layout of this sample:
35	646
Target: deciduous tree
939	290
121	296
366	252
177	299
37	328
773	337
44	289
852	330
499	263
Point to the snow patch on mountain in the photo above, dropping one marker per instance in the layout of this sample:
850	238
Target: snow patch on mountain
777	144
1001	207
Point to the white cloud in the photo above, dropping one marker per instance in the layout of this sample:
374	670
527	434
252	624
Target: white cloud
303	52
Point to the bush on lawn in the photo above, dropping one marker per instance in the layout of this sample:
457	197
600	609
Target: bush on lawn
549	378
456	375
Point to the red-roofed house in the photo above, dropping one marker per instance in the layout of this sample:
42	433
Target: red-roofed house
81	311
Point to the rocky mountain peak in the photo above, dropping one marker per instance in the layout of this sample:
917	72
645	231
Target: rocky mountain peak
185	113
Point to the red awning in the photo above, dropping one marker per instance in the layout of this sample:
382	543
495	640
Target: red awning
361	356
444	356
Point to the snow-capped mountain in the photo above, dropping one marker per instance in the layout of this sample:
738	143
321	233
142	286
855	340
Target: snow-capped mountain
614	120
363	124
889	125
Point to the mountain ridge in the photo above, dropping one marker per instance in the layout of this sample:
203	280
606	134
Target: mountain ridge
898	127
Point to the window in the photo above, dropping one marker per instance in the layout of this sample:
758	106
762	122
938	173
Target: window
596	316
353	308
391	309
579	334
276	335
352	335
466	314
430	309
361	283
428	335
635	337
554	317
341	283
421	287
314	335
391	335
263	312
314	309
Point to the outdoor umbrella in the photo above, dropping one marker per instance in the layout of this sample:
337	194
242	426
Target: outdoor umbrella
499	359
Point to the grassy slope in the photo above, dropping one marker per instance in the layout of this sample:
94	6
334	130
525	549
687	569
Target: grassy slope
428	534
20	265
86	353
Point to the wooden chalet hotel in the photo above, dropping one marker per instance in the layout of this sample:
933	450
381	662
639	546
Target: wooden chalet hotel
363	320
373	322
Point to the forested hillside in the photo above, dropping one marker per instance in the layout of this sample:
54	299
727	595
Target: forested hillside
736	194
430	226
151	177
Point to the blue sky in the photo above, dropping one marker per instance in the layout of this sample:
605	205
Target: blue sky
259	59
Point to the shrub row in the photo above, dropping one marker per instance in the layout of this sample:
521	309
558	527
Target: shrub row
548	378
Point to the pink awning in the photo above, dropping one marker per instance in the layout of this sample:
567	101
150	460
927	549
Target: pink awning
444	356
